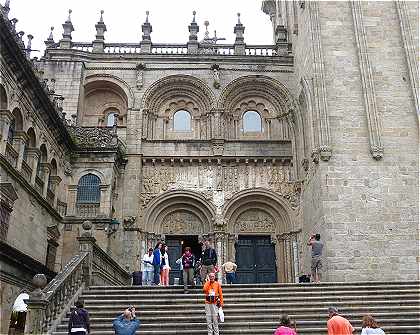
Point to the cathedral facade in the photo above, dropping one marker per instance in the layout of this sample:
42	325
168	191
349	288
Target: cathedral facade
253	146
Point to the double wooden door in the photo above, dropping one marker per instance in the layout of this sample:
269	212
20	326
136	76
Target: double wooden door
256	260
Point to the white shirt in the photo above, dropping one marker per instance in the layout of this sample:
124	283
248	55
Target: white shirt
166	266
372	331
19	305
147	266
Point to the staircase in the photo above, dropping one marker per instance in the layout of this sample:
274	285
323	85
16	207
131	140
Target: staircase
255	309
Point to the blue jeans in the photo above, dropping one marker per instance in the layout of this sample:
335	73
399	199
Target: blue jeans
156	274
230	278
148	278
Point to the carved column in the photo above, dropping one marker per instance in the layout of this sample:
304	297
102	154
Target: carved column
5	119
33	155
86	244
232	239
55	181
106	196
71	200
37	305
220	245
19	142
46	170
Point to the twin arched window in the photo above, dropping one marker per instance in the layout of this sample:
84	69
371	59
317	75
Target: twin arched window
182	121
88	189
252	122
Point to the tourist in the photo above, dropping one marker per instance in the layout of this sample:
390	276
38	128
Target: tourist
148	268
157	261
126	323
370	326
188	263
338	325
164	274
208	260
19	309
316	261
285	326
79	320
230	271
214	300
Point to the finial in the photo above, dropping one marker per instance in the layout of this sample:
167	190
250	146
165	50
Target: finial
239	18
51	37
13	22
147	16
206	33
194	12
101	19
69	18
6	7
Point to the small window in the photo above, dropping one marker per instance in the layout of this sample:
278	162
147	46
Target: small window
252	122
88	189
110	121
182	121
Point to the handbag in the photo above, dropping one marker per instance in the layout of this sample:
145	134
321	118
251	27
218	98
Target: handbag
221	314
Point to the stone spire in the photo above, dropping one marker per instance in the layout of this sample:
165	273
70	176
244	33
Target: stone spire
6	7
29	45
146	42
99	42
50	40
65	42
193	28
239	40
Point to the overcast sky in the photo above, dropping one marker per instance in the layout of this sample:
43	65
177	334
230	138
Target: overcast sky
123	18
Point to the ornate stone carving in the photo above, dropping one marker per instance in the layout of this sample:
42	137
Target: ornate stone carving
254	221
216	75
139	75
181	223
94	137
129	222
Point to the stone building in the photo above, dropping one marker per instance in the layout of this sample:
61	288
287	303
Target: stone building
254	146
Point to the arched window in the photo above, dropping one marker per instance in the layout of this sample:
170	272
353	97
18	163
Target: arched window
110	120
252	122
88	190
182	121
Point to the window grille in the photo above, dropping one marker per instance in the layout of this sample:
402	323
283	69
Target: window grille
88	190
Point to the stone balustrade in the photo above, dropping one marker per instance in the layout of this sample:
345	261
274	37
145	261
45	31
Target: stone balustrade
11	155
48	304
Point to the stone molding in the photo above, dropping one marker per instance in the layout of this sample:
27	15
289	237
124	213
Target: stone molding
368	85
320	91
410	50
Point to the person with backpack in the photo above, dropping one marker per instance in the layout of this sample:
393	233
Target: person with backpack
285	327
188	263
126	323
208	260
79	320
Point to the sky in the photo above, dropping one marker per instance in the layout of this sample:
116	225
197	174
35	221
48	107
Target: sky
123	18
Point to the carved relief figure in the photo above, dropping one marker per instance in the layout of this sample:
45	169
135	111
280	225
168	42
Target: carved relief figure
253	221
182	223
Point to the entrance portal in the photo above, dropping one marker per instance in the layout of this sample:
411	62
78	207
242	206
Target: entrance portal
256	260
176	245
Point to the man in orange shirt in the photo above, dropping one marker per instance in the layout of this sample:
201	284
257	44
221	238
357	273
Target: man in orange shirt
337	325
214	299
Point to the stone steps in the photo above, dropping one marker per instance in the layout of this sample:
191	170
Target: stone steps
255	309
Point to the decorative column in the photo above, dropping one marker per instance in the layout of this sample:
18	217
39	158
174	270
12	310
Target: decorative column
55	181
99	42
86	244
46	170
146	42
65	42
6	118
193	28
37	305
239	46
281	40
106	196
71	200
33	155
20	139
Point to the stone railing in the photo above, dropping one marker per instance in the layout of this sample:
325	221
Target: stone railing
178	49
47	305
39	184
61	208
87	210
50	197
11	155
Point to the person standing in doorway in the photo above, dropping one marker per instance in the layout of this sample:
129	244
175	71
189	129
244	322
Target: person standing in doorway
157	261
337	325
208	260
18	317
188	262
214	300
79	320
230	270
148	268
126	323
164	274
316	257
